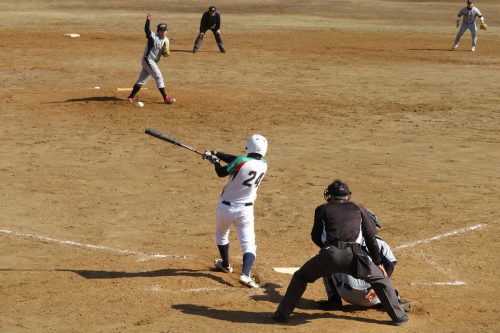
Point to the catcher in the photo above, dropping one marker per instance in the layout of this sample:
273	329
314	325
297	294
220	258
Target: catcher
469	14
156	47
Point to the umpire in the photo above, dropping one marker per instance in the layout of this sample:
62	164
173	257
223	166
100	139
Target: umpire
210	21
345	224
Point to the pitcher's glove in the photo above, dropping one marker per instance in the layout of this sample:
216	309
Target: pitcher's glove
483	26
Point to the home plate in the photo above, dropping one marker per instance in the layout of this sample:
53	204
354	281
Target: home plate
286	270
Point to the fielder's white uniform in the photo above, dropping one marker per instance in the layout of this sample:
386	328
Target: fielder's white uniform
236	202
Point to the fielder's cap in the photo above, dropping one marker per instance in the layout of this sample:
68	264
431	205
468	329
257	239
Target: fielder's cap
212	8
470	1
338	188
162	27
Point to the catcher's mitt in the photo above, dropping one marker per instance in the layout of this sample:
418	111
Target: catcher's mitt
483	26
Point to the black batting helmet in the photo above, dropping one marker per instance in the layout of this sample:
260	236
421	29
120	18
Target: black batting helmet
337	189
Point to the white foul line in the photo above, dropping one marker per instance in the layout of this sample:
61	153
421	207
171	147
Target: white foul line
448	234
94	247
452	283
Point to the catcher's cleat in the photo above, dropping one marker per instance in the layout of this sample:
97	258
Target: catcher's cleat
132	99
218	264
473	49
248	281
169	100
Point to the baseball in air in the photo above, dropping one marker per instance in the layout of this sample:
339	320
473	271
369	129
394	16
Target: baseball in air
140	104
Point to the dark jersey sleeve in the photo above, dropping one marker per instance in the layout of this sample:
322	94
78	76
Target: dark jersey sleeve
203	21
317	229
228	158
369	231
147	29
221	170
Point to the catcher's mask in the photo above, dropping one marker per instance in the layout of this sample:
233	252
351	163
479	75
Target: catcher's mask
162	27
335	190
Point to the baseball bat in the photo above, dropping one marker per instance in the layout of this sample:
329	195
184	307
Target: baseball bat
161	136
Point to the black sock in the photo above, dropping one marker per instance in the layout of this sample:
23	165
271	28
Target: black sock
135	90
224	254
163	93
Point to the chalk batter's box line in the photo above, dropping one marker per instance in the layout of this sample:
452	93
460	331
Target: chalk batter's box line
141	255
146	256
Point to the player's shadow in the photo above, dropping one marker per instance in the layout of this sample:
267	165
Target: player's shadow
249	317
272	295
185	51
90	99
438	49
92	275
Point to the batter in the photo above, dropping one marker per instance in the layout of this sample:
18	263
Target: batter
236	203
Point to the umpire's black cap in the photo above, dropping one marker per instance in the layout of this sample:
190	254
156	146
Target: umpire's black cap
337	189
212	8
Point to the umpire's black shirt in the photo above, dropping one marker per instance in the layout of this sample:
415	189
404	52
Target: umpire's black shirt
210	22
341	221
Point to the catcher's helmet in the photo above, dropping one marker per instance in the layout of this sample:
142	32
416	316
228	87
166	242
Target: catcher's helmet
337	189
162	27
256	144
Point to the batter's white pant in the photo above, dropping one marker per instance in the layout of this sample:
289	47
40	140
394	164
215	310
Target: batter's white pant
242	218
150	68
473	31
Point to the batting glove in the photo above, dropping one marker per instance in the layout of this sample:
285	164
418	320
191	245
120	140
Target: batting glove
213	159
206	155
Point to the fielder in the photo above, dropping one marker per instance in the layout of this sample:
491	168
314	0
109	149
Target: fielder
157	46
236	203
469	14
210	21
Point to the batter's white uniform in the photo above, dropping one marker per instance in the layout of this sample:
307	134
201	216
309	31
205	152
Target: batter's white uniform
236	202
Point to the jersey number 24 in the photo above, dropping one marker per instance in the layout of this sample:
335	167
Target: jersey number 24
253	174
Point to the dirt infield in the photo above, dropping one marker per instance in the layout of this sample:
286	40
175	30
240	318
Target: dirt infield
105	229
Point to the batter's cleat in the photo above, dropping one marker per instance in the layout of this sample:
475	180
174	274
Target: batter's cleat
248	281
454	47
473	49
169	100
223	50
132	100
195	49
218	264
280	318
400	321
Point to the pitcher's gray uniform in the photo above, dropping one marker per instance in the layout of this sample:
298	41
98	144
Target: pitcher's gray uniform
469	14
156	47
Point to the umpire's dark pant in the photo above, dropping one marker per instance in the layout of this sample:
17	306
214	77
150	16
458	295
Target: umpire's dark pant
218	39
334	260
